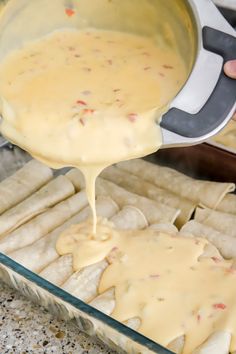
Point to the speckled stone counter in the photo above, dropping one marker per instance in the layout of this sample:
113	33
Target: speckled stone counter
27	328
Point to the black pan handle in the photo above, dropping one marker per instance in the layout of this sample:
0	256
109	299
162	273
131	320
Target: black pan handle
221	101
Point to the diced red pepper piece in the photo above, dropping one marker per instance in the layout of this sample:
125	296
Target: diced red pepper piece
69	12
219	306
87	111
132	117
83	103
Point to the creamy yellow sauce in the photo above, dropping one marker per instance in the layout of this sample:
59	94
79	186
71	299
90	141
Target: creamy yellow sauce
88	98
160	279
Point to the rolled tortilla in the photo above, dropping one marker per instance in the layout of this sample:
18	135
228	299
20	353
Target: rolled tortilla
23	183
139	186
228	204
12	160
43	223
129	218
224	243
105	302
210	251
77	178
105	207
84	283
220	221
177	345
154	212
133	323
217	343
41	253
54	192
58	271
206	193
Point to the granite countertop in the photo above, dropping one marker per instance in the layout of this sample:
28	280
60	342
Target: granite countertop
28	328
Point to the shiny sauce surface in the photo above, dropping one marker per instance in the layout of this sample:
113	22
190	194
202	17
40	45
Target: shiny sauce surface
162	279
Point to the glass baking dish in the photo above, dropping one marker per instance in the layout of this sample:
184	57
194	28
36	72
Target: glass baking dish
115	335
200	161
65	306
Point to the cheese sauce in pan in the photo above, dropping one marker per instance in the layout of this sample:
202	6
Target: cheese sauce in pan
88	98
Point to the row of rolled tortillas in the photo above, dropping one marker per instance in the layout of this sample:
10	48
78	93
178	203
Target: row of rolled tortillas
32	191
204	193
47	207
162	194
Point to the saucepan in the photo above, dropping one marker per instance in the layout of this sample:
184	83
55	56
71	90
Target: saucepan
195	28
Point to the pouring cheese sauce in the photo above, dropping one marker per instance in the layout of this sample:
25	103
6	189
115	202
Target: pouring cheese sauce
88	98
91	98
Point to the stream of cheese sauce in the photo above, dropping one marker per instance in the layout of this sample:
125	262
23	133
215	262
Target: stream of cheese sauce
88	98
160	279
